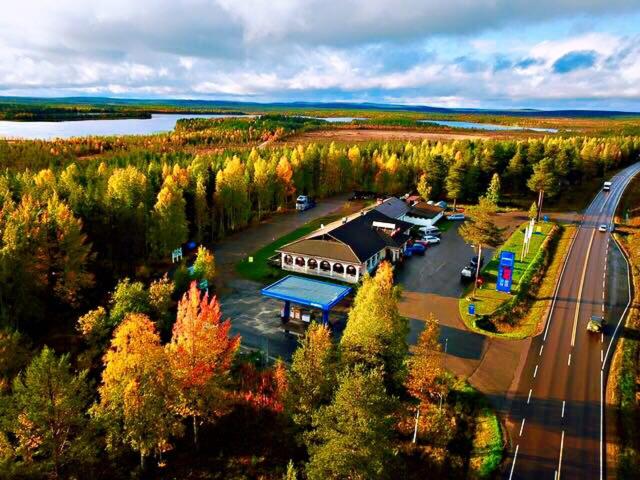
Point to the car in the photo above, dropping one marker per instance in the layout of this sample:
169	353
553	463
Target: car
431	231
596	324
416	248
304	202
603	228
430	239
467	274
474	261
456	216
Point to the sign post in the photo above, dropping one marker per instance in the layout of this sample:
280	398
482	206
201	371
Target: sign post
505	271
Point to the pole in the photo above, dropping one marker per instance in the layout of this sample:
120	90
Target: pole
415	429
475	281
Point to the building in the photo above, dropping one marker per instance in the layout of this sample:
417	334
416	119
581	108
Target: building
417	212
346	249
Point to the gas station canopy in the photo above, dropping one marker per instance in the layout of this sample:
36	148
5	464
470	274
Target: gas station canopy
307	292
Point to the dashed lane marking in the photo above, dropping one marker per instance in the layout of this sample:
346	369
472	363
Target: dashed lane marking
521	427
560	459
563	404
535	372
529	397
569	361
513	465
541	347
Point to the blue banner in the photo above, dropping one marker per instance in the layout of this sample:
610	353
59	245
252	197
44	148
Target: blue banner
505	271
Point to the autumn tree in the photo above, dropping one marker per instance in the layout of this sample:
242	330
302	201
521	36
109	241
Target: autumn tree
160	301
533	211
50	424
232	194
493	191
204	266
312	375
262	185
284	175
200	354
15	354
543	181
169	228
454	182
375	335
137	390
128	297
423	187
480	230
425	365
352	437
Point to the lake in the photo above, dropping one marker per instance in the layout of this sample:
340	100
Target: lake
158	123
486	126
161	122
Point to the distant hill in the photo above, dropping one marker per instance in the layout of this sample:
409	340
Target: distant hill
238	105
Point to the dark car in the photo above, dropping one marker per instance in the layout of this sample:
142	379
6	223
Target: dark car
474	262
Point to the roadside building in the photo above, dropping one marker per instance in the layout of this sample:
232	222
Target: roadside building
346	249
423	214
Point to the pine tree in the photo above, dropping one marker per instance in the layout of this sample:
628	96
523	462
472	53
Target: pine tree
423	187
352	436
543	181
169	228
50	423
493	192
204	266
455	180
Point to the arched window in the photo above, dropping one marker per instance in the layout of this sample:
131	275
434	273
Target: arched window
324	265
311	263
338	268
351	270
288	259
300	261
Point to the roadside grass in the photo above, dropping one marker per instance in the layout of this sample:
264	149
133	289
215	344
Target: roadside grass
624	376
485	438
259	270
487	299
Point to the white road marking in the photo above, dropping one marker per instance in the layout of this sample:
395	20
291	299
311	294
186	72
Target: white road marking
513	465
603	307
601	356
529	397
563	403
569	361
521	427
602	338
560	459
579	297
601	421
535	372
541	347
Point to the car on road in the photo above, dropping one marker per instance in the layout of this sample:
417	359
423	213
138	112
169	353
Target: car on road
596	323
430	240
456	216
304	202
467	274
603	228
606	186
474	262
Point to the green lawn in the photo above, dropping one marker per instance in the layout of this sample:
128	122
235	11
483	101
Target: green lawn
487	298
259	270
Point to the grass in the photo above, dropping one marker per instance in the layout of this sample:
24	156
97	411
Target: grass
487	298
259	270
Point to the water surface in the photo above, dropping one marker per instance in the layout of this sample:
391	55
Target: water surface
486	126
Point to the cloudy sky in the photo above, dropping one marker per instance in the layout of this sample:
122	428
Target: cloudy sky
463	53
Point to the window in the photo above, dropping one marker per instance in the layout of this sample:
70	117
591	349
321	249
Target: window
324	265
338	268
300	262
351	270
288	259
311	263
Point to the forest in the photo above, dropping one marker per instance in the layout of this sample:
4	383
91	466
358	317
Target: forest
108	366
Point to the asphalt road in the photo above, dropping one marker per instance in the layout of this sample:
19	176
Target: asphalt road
556	417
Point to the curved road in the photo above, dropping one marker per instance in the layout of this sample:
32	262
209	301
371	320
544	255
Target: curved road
556	419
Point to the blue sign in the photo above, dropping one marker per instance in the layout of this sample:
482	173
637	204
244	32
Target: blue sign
546	218
472	309
505	271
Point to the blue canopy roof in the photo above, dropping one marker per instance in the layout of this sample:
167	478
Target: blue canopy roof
307	291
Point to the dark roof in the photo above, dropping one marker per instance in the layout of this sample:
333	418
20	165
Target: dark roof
424	210
393	207
357	235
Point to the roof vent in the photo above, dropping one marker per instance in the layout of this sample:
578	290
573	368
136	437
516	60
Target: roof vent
385	225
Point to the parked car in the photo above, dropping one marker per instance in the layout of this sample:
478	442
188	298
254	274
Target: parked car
596	324
456	216
362	195
442	204
467	274
431	231
304	202
416	248
474	262
431	240
602	228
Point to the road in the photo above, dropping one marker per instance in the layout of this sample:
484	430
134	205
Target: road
556	415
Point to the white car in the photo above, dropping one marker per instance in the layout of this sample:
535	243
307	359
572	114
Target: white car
602	228
430	239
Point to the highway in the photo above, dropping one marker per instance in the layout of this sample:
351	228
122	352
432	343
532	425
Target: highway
556	419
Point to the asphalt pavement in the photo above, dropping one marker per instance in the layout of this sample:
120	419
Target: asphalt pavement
557	412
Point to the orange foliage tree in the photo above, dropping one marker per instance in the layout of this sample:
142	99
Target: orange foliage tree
200	354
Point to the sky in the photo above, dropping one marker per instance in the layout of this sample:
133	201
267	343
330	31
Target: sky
546	54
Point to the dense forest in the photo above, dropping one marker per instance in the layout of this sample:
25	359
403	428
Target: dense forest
87	227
